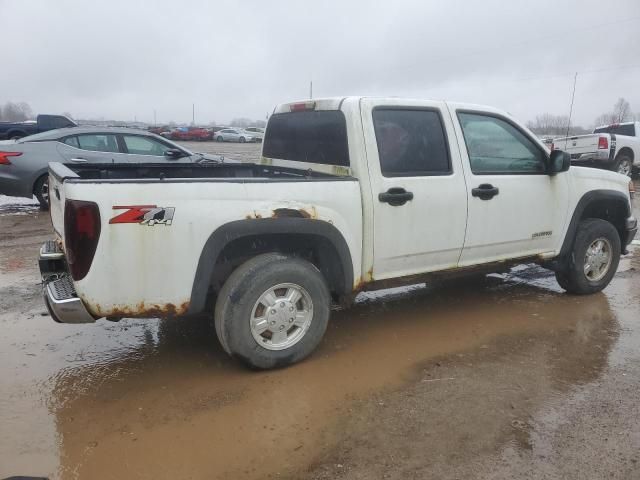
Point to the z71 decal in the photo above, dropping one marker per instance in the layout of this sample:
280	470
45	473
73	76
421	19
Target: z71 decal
144	215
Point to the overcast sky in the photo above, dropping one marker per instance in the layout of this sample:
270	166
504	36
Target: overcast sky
121	59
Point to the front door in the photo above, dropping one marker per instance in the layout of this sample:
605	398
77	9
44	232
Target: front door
515	208
419	192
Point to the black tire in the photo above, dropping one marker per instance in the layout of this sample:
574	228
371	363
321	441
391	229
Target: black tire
623	165
219	138
41	191
573	278
242	290
242	139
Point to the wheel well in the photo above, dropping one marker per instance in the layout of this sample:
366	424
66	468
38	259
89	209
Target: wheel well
625	151
314	248
612	210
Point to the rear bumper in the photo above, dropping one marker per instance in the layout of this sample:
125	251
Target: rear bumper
63	304
60	296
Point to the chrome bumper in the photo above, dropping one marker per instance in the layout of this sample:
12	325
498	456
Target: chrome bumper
60	296
63	303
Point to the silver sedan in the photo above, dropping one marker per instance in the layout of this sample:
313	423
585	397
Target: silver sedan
233	135
24	163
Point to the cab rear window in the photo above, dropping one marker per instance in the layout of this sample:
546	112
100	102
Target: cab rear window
308	136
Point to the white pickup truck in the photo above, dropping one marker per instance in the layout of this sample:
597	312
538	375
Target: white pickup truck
350	194
612	147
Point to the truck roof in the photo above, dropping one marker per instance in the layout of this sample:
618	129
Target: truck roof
61	132
335	103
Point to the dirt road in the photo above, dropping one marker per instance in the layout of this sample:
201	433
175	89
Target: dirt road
502	377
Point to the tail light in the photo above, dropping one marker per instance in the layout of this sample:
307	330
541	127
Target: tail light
81	234
302	107
4	157
603	143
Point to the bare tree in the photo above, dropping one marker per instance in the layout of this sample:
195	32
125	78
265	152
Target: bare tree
551	125
240	122
15	112
622	110
621	113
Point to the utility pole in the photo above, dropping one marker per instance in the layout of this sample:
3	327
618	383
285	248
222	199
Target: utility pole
193	114
573	95
311	89
154	117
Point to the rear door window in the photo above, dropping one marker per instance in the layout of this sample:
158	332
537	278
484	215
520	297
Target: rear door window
73	141
311	136
411	142
98	143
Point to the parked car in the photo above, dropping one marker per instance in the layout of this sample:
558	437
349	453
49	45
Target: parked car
233	135
613	147
24	163
256	132
350	194
191	134
43	123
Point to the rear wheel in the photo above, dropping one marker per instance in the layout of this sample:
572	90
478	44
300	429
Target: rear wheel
41	191
594	258
242	139
272	311
219	138
624	165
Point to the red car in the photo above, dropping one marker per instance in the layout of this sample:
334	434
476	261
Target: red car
191	134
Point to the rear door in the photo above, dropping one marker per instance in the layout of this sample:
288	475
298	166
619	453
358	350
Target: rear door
92	148
419	192
515	208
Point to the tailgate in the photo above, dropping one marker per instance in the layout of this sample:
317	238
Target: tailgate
579	144
57	174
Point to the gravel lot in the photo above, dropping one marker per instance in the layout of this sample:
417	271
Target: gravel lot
500	377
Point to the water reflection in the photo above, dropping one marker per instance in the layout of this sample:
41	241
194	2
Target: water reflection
164	389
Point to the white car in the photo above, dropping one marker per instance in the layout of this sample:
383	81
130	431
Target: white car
233	135
350	194
256	132
612	147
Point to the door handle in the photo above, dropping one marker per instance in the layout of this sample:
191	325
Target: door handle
79	160
395	196
485	191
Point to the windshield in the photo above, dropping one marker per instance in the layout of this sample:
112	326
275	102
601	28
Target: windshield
312	137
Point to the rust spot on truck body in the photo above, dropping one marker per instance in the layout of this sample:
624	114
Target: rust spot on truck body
291	213
140	310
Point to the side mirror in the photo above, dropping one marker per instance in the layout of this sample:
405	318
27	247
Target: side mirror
559	161
173	153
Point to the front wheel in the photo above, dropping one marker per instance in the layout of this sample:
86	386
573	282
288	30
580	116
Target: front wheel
242	139
594	258
219	139
41	191
272	311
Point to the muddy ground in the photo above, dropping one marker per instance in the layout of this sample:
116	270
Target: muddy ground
494	378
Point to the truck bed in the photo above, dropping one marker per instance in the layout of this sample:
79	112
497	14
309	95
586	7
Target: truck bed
135	173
